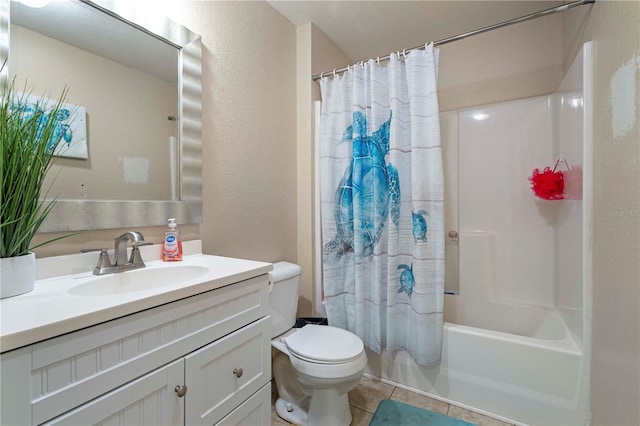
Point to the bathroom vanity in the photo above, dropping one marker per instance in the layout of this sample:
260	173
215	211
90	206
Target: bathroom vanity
193	352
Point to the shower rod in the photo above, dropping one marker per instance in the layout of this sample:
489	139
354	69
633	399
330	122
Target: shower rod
534	15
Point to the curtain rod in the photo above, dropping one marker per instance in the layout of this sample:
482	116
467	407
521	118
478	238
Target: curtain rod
534	15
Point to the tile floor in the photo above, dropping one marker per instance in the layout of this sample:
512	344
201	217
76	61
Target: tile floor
364	400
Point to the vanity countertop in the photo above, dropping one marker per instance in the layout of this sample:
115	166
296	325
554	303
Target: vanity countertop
52	308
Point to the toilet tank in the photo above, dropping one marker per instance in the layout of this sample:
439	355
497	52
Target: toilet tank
283	296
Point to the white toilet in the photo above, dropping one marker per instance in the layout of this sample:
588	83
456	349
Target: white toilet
315	366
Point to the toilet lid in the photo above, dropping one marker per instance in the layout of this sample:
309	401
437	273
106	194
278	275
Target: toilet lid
325	344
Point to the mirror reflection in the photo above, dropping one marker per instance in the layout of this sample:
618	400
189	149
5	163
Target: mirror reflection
123	92
139	96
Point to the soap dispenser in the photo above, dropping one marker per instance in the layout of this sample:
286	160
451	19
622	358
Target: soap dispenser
172	246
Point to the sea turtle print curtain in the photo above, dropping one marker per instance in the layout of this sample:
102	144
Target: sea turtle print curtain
382	204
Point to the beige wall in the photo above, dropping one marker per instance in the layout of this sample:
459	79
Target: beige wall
316	53
249	125
304	161
515	62
614	26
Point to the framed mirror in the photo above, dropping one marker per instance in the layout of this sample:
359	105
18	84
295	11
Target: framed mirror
134	81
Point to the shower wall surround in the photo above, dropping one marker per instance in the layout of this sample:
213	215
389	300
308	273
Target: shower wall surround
532	247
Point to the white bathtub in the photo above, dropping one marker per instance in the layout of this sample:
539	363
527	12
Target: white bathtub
519	362
526	379
518	319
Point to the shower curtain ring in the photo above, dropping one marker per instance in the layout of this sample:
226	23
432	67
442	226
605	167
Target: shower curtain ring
404	54
378	60
334	73
321	75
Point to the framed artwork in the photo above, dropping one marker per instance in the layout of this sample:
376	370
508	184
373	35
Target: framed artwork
70	139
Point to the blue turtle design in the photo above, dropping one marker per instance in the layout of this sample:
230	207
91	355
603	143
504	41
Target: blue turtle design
63	131
419	225
407	281
32	111
368	192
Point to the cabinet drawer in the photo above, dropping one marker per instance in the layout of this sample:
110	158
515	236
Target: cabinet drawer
223	374
256	411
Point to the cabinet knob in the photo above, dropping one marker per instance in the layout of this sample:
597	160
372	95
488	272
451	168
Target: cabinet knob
238	372
181	390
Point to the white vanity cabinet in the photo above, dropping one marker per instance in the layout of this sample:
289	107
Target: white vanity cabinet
129	371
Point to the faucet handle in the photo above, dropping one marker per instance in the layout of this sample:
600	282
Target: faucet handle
141	243
92	250
135	257
103	260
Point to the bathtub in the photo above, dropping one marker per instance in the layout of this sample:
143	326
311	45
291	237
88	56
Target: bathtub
524	372
519	362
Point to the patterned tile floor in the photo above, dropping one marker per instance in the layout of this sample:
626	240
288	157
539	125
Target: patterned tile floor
364	400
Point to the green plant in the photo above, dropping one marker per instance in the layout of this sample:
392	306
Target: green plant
28	138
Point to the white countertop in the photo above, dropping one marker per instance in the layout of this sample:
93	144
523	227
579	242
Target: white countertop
51	309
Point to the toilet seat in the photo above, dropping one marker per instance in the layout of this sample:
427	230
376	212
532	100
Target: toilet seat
308	364
324	344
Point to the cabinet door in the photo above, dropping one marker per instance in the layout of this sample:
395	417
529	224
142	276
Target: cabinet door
149	400
224	374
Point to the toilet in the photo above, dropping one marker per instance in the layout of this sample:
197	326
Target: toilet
314	366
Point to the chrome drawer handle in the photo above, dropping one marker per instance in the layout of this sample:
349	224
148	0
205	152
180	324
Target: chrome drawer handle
238	372
181	390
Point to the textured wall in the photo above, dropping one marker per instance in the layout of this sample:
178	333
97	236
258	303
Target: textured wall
514	62
249	125
614	26
316	53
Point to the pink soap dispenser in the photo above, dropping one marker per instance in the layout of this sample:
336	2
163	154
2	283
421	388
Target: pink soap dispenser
172	246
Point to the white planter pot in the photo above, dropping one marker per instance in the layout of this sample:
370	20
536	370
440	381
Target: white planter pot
17	275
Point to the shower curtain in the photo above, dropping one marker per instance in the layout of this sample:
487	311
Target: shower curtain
382	204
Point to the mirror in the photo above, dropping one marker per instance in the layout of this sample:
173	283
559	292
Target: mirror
135	78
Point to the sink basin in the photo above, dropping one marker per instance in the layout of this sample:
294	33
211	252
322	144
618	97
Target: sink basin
138	280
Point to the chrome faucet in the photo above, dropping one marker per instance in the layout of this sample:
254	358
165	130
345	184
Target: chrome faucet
120	251
120	261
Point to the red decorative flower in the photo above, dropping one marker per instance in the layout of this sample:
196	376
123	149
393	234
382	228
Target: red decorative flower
547	184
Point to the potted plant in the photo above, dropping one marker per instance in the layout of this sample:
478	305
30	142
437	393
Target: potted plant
28	137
